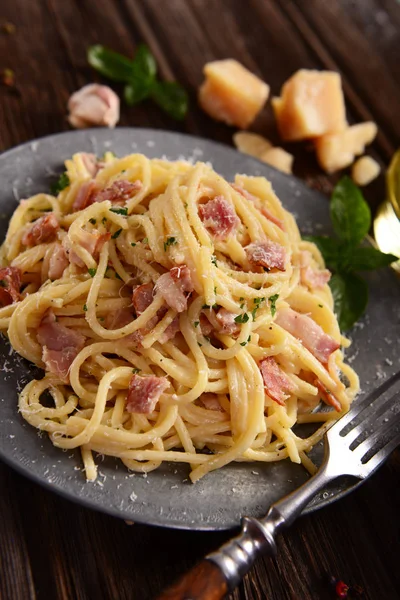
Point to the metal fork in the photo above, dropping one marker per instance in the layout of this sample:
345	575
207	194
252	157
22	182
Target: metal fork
356	445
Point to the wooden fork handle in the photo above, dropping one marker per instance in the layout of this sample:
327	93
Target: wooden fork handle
204	582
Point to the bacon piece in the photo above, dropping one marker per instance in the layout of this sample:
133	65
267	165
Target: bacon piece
219	217
60	345
170	331
43	230
311	335
226	320
205	325
211	402
276	382
119	192
266	254
93	241
10	283
327	396
84	196
142	297
310	277
58	262
258	203
173	285
144	393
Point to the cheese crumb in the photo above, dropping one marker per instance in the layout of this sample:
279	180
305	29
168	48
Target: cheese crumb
251	143
337	150
278	158
231	93
311	104
365	170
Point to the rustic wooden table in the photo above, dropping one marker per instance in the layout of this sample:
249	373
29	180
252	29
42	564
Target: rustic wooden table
53	549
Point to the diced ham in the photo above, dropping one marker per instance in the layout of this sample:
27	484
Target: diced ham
266	254
226	320
276	382
211	402
258	203
41	231
93	241
219	217
58	262
312	336
310	277
84	196
170	331
93	105
327	396
144	393
10	283
60	345
118	192
173	286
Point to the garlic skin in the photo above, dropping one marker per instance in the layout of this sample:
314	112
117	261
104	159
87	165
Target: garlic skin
93	105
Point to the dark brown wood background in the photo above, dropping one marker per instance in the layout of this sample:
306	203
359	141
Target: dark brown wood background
52	549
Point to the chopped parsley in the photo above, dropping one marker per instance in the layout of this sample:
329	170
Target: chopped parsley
242	318
198	343
171	241
85	307
205	306
135	371
321	305
92	221
272	300
145	240
60	185
120	211
241	299
3	283
196	323
214	259
92	272
104	220
133	244
116	234
246	342
101	318
117	276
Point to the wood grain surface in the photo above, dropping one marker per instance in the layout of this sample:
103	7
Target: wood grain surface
51	549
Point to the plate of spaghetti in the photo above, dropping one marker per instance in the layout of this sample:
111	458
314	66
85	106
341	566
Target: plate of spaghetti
170	350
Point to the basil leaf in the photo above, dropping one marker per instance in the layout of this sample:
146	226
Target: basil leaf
331	249
144	63
111	64
136	91
368	259
350	293
172	98
350	214
60	185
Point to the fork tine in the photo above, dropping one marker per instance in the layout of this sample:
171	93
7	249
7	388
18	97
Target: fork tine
371	418
368	401
381	433
373	463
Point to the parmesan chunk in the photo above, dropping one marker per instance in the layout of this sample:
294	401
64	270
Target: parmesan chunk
311	104
337	150
251	143
365	170
231	93
278	158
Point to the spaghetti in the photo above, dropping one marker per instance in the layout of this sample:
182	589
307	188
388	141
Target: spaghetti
178	317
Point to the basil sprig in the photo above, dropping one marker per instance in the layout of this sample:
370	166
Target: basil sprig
140	78
344	256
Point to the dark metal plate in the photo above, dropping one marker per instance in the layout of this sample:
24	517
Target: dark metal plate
166	497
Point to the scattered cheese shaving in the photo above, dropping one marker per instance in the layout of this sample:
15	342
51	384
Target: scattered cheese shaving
365	170
337	150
